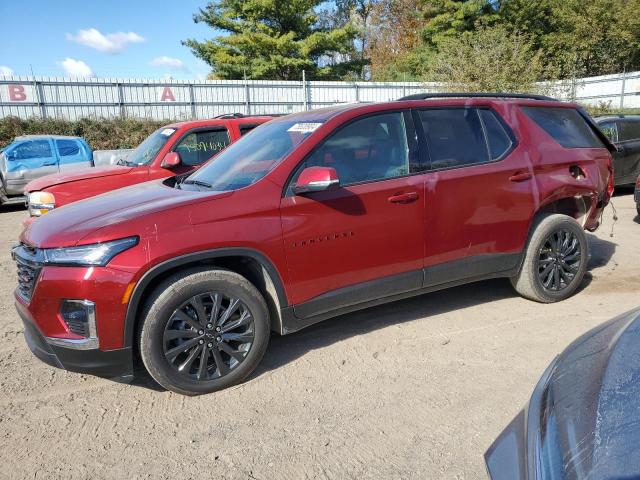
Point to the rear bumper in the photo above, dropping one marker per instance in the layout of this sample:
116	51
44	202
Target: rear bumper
636	195
108	364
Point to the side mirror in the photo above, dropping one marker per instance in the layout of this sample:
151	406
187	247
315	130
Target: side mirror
170	160
316	179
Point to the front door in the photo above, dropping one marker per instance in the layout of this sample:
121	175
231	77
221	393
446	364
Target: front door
72	154
199	145
626	163
364	240
479	199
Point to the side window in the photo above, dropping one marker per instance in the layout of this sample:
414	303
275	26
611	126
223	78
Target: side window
565	125
198	147
455	137
67	148
246	128
610	129
498	139
629	130
32	149
369	149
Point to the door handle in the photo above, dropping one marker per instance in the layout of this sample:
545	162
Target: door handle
48	164
404	197
520	177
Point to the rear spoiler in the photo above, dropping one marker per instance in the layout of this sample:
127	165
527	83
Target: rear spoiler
596	129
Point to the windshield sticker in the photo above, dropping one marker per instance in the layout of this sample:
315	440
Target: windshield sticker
167	131
304	127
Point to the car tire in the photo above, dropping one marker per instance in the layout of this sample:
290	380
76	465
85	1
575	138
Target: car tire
551	271
183	306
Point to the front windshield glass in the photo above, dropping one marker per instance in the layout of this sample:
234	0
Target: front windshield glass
147	150
252	157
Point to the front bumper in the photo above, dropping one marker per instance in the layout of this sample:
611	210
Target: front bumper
109	364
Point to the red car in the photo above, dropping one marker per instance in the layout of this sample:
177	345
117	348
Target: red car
171	150
313	215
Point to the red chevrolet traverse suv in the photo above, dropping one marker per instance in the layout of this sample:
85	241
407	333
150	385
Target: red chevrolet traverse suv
313	215
174	149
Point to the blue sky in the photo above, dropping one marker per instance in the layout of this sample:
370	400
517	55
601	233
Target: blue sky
114	38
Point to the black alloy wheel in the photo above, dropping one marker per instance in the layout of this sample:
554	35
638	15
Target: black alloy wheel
559	260
208	336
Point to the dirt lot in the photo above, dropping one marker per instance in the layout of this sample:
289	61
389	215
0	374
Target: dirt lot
414	389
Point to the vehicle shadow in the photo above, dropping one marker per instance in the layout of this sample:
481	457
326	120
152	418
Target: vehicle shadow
601	251
286	349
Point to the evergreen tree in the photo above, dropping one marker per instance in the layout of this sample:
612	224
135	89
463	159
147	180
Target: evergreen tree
274	39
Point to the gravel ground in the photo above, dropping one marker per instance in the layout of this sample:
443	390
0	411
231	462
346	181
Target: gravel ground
414	389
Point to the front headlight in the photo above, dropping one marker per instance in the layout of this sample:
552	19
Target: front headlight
96	254
41	203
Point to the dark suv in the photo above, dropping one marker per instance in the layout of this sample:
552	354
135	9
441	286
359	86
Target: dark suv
310	216
624	132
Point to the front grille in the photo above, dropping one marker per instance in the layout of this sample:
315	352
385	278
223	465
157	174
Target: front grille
29	262
27	278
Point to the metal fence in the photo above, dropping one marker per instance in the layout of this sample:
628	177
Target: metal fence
53	97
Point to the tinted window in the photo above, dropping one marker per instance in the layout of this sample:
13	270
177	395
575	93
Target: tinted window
628	130
565	125
67	148
32	149
610	129
455	137
246	128
373	148
497	138
198	147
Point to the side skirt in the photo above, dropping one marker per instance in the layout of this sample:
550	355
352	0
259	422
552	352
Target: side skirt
378	292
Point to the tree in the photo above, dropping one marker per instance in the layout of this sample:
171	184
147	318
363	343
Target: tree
579	38
491	59
394	48
272	39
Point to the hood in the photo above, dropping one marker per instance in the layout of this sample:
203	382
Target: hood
583	420
80	174
119	211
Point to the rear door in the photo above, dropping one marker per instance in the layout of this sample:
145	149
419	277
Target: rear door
72	154
28	160
479	199
364	240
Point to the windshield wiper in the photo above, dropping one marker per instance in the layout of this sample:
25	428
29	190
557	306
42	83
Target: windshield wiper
200	183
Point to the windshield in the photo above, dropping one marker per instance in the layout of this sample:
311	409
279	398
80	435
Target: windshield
147	150
252	157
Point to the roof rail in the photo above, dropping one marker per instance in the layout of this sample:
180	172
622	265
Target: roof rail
426	96
230	115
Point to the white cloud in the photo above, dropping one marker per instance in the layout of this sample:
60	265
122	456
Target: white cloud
5	71
168	62
110	43
76	68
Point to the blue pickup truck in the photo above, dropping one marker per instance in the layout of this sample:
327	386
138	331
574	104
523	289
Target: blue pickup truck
33	156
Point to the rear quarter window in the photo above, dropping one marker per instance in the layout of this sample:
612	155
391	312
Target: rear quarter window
565	125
